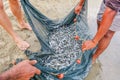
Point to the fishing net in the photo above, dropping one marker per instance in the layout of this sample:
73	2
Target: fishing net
60	55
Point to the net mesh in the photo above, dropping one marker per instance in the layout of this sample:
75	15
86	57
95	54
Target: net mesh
61	40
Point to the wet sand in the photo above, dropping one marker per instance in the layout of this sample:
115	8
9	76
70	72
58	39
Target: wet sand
106	67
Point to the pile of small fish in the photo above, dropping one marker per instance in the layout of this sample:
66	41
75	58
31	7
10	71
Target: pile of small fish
65	46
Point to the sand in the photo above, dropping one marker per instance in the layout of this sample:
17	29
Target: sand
9	52
106	68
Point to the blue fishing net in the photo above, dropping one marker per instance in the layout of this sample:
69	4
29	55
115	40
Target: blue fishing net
60	55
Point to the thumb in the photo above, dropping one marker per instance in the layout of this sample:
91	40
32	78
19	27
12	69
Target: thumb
33	62
84	49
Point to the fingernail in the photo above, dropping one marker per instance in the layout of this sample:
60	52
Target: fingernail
35	61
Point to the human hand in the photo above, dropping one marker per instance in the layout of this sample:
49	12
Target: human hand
24	70
78	9
88	45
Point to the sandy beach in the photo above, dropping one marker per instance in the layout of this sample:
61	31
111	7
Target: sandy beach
105	68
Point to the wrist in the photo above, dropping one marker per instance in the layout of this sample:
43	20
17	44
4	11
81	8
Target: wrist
8	75
5	76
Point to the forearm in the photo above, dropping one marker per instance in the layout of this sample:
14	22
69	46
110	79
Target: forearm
22	71
81	2
106	22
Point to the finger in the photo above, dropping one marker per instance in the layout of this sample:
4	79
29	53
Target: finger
37	71
75	20
33	62
86	48
83	50
75	12
78	13
83	46
13	62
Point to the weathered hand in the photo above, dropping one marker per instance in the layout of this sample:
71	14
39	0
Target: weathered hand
78	9
24	70
88	45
